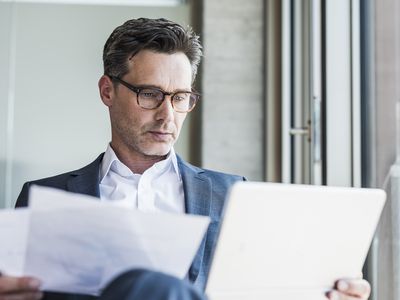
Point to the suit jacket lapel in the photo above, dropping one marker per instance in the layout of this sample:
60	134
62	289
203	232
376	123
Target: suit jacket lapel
198	197
86	180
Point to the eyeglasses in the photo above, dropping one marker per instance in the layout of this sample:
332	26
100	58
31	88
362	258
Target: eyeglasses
151	97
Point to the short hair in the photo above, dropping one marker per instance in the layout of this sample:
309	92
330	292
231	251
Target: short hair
158	35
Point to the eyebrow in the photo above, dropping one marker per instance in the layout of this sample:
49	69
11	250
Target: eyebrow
161	89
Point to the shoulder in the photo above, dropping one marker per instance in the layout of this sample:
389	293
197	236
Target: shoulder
219	181
218	178
59	181
221	178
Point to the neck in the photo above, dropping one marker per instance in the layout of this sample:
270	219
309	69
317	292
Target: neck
138	163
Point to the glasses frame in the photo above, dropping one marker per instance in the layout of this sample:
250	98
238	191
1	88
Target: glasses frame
138	89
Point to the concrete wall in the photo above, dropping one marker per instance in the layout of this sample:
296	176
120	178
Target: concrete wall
232	87
387	94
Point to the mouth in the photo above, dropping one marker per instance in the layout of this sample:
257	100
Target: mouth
161	135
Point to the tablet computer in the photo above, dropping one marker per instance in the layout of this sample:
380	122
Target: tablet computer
280	241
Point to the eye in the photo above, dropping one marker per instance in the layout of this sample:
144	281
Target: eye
150	94
181	97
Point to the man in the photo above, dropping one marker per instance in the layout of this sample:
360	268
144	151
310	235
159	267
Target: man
149	68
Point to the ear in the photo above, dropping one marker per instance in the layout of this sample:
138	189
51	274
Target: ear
107	90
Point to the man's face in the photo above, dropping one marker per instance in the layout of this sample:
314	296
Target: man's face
141	131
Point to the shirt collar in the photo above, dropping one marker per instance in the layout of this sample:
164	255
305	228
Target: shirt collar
110	160
174	160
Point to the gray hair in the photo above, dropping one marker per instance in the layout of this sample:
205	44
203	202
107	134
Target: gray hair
159	35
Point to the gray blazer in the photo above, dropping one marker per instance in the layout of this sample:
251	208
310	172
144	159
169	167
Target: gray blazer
204	191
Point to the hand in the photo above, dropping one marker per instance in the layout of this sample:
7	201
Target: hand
19	288
350	289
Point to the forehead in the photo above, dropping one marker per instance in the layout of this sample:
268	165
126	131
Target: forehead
161	69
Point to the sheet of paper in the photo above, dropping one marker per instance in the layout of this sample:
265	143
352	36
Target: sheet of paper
78	245
44	198
13	237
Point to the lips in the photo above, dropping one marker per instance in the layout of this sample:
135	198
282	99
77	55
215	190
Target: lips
161	135
160	132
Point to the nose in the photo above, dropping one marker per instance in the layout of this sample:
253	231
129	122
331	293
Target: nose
165	111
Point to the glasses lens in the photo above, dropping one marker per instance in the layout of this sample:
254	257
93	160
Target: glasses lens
184	102
150	98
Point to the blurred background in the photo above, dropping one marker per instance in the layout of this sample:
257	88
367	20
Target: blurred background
292	91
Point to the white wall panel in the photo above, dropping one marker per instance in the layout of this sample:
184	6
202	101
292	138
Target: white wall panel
5	30
338	92
60	122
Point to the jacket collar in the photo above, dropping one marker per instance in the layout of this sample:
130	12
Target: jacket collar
86	179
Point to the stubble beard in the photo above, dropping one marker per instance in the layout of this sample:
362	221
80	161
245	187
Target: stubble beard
144	146
141	143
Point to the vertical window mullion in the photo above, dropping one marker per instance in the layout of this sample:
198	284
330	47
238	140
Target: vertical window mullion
286	87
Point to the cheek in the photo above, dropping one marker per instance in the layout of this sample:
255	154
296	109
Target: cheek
127	114
123	119
179	120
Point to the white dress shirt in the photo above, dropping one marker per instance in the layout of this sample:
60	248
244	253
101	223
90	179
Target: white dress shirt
159	188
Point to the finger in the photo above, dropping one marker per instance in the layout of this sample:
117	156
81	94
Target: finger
22	296
335	295
354	287
10	284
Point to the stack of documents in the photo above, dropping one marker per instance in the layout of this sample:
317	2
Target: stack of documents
77	244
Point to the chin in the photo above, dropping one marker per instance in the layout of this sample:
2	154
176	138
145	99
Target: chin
160	151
